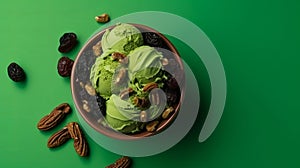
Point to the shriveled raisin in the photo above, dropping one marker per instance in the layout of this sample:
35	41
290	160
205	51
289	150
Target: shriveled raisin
172	96
64	66
172	83
152	39
102	104
67	42
15	72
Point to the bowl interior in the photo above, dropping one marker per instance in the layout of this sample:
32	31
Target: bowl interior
87	105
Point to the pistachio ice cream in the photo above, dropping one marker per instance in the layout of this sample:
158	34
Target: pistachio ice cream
123	38
142	66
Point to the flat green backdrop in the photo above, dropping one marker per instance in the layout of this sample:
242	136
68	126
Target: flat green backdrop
258	42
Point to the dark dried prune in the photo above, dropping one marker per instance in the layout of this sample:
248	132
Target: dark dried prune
172	83
152	39
172	96
64	66
102	104
67	42
15	72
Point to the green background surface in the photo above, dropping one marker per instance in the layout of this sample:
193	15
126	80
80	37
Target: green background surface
258	42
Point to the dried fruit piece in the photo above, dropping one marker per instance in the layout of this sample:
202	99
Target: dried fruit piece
102	104
172	83
15	72
152	39
152	126
54	118
64	66
59	138
173	96
67	42
80	143
123	162
102	18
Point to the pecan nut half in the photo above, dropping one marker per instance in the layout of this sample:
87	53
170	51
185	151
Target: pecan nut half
117	56
126	93
140	102
122	58
80	143
59	138
55	117
167	112
123	162
150	86
152	126
102	18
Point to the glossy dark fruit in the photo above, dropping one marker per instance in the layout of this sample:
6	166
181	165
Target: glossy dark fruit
102	104
172	96
67	42
152	39
64	66
15	72
172	83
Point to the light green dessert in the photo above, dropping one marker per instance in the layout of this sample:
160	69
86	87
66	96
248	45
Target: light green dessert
123	117
143	66
101	75
123	38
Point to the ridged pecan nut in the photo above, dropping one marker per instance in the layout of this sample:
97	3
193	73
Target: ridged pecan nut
125	93
102	18
117	56
59	138
55	117
150	86
167	112
140	102
80	143
152	126
123	162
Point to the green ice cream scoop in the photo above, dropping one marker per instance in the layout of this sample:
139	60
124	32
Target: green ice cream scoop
102	75
144	63
122	115
123	38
